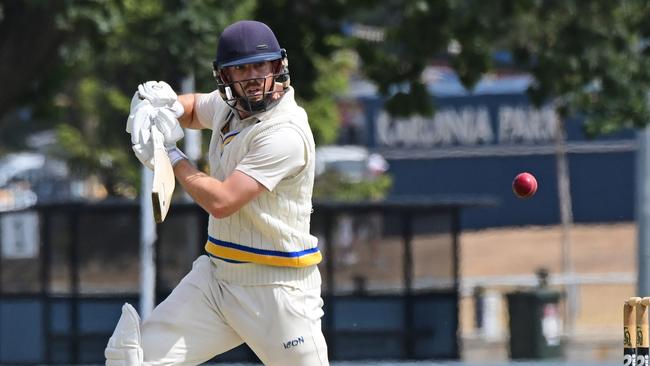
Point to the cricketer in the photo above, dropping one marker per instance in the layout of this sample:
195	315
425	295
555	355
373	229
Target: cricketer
258	282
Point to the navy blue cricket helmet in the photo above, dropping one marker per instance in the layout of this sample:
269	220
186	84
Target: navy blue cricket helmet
248	42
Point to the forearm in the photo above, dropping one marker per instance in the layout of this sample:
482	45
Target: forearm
189	118
206	191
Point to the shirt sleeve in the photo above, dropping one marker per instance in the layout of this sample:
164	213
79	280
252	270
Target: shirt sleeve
206	107
274	156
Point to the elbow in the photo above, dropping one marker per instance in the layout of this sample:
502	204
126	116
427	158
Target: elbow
220	214
221	211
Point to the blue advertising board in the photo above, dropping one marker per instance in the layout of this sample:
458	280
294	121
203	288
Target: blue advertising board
475	143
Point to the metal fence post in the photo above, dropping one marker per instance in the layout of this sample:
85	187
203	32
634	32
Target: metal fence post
407	236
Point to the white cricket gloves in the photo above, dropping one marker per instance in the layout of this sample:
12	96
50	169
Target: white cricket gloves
160	94
155	103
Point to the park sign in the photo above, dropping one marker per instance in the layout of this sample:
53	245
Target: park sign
495	118
468	125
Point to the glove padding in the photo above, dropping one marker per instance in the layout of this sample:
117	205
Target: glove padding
153	103
140	108
141	137
144	153
143	114
160	94
166	121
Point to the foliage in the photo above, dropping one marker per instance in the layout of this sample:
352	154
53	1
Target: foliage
331	185
332	80
132	41
97	51
414	33
104	49
108	164
78	68
587	57
320	60
600	71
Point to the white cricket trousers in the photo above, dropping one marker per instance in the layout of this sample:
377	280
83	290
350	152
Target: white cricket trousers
204	317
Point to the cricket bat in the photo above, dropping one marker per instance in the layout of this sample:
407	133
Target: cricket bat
164	181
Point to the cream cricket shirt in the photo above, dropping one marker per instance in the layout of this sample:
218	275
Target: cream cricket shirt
268	240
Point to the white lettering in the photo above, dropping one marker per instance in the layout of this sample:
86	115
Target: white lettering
524	124
449	126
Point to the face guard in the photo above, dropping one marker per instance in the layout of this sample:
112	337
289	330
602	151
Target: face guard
243	43
259	101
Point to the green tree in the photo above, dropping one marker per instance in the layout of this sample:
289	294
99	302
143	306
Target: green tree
320	58
82	61
590	58
87	57
29	41
87	73
133	41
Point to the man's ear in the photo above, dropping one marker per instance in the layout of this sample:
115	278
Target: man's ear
224	76
277	66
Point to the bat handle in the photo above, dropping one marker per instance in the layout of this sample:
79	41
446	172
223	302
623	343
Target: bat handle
158	138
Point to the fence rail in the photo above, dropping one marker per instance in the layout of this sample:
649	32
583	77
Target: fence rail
66	292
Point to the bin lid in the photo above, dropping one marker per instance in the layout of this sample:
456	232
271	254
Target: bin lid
536	293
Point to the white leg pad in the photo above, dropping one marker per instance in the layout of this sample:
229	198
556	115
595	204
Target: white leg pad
123	347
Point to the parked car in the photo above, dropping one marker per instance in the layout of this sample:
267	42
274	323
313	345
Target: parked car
350	173
354	163
28	177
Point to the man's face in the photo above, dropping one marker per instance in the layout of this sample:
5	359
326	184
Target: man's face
251	80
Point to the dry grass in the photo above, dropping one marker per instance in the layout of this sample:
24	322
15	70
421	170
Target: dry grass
520	251
594	249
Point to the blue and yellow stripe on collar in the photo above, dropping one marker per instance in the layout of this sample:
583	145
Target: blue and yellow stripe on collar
229	137
242	253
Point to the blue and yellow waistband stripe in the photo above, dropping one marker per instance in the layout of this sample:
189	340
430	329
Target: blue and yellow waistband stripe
225	259
242	253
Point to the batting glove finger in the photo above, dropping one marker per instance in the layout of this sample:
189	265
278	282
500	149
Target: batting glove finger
168	125
178	109
159	93
141	124
136	105
144	153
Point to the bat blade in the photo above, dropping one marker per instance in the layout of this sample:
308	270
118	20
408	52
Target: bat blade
163	177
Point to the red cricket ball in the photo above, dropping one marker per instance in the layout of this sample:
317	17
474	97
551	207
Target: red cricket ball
524	185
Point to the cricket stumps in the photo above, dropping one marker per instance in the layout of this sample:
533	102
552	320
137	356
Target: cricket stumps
635	331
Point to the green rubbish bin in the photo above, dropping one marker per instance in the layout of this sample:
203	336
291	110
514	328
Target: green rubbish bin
535	325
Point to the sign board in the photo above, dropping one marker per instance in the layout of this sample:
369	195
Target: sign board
20	235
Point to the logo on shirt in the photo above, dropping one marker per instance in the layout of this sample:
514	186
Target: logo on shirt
293	343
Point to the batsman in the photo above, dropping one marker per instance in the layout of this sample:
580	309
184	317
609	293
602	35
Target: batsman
258	282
